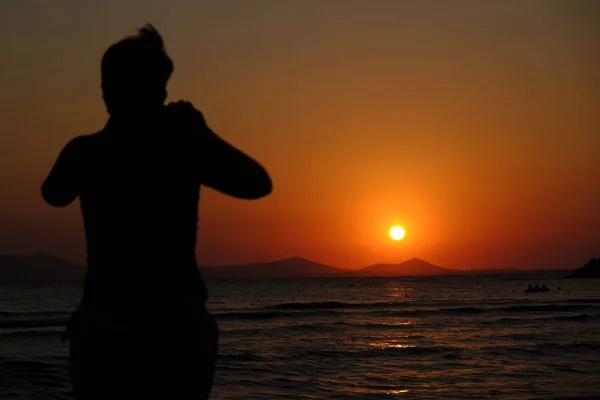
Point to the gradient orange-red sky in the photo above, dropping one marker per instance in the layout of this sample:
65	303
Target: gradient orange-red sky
473	124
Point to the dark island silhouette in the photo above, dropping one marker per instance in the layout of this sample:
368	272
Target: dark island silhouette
48	268
294	267
40	267
589	270
414	266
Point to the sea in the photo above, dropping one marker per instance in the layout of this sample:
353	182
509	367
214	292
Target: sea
464	337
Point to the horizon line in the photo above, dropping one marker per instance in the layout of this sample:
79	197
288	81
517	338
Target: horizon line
317	262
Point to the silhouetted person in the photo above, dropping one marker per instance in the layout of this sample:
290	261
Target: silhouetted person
142	329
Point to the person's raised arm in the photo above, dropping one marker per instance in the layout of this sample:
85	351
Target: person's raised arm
61	186
222	166
230	171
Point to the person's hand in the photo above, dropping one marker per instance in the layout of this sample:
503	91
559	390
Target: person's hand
184	111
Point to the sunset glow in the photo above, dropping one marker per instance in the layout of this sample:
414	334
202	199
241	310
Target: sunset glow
344	198
366	114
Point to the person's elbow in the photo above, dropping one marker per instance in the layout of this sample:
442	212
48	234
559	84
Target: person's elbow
56	198
256	184
262	187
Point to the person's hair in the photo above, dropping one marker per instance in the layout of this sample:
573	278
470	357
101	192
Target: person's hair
135	71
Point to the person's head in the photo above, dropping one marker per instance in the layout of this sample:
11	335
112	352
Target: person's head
135	72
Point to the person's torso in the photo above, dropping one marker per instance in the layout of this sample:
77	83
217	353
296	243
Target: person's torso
139	198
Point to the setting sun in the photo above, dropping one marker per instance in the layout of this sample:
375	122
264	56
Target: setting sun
397	232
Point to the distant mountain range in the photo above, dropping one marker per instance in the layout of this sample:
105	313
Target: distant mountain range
297	267
41	267
294	267
414	266
589	270
38	267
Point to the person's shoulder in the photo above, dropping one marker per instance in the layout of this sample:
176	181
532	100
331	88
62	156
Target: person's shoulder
82	142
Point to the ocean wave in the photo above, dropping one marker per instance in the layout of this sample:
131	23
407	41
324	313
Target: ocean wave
544	347
580	345
239	331
253	315
512	320
33	323
454	311
385	306
44	322
377	325
323	305
34	314
316	327
240	357
582	301
303	310
31	334
547	308
582	317
248	315
375	351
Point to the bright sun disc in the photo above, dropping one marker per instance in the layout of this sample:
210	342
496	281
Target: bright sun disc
397	233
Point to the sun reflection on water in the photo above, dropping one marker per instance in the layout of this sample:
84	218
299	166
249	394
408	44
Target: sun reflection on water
391	345
396	323
397	292
396	392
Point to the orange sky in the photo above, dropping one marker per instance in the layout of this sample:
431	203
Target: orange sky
475	125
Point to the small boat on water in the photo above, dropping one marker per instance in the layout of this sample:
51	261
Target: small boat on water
536	289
